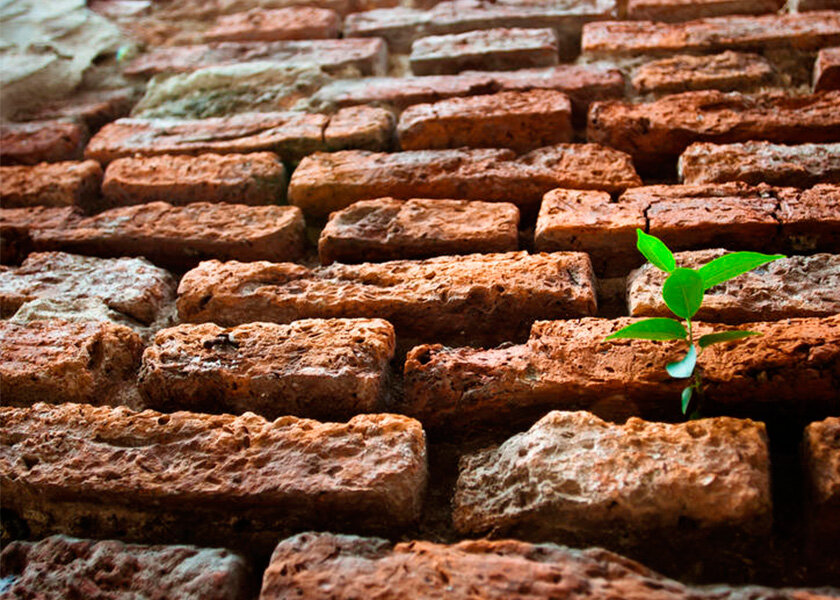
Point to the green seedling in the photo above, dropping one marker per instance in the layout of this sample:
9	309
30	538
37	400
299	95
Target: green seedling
683	295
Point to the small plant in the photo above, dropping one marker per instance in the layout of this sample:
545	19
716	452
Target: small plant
683	294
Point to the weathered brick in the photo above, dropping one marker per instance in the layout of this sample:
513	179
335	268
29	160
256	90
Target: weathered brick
237	481
806	5
797	286
389	229
51	184
324	183
502	49
802	165
582	84
725	71
93	108
59	566
577	479
343	567
131	286
590	222
401	26
686	10
520	121
252	179
810	218
41	141
567	365
362	127
656	133
827	70
317	368
16	223
368	56
181	236
821	458
260	25
806	31
288	134
58	361
491	297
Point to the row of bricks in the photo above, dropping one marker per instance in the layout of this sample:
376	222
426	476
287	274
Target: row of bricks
330	566
758	218
335	368
244	481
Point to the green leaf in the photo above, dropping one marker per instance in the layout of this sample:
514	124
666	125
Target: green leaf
724	336
686	398
733	264
683	292
685	367
658	328
655	251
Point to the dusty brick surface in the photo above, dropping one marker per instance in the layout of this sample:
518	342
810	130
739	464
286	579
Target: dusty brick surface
797	286
579	480
241	482
401	26
582	84
725	71
51	184
16	223
367	56
259	25
657	132
811	218
58	361
131	286
805	31
801	165
685	10
389	229
482	297
327	369
324	183
181	236
93	108
588	221
252	179
567	365
362	127
827	70
41	141
290	135
821	459
59	566
501	49
520	121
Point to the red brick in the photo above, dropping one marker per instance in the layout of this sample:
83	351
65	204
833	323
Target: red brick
725	71
181	236
291	135
52	567
323	183
686	10
362	127
41	141
388	229
489	297
520	121
657	132
93	108
590	222
260	25
51	184
801	165
57	361
16	223
567	365
808	31
317	368
401	26
827	70
806	5
484	50
252	179
810	218
821	458
215	480
368	56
